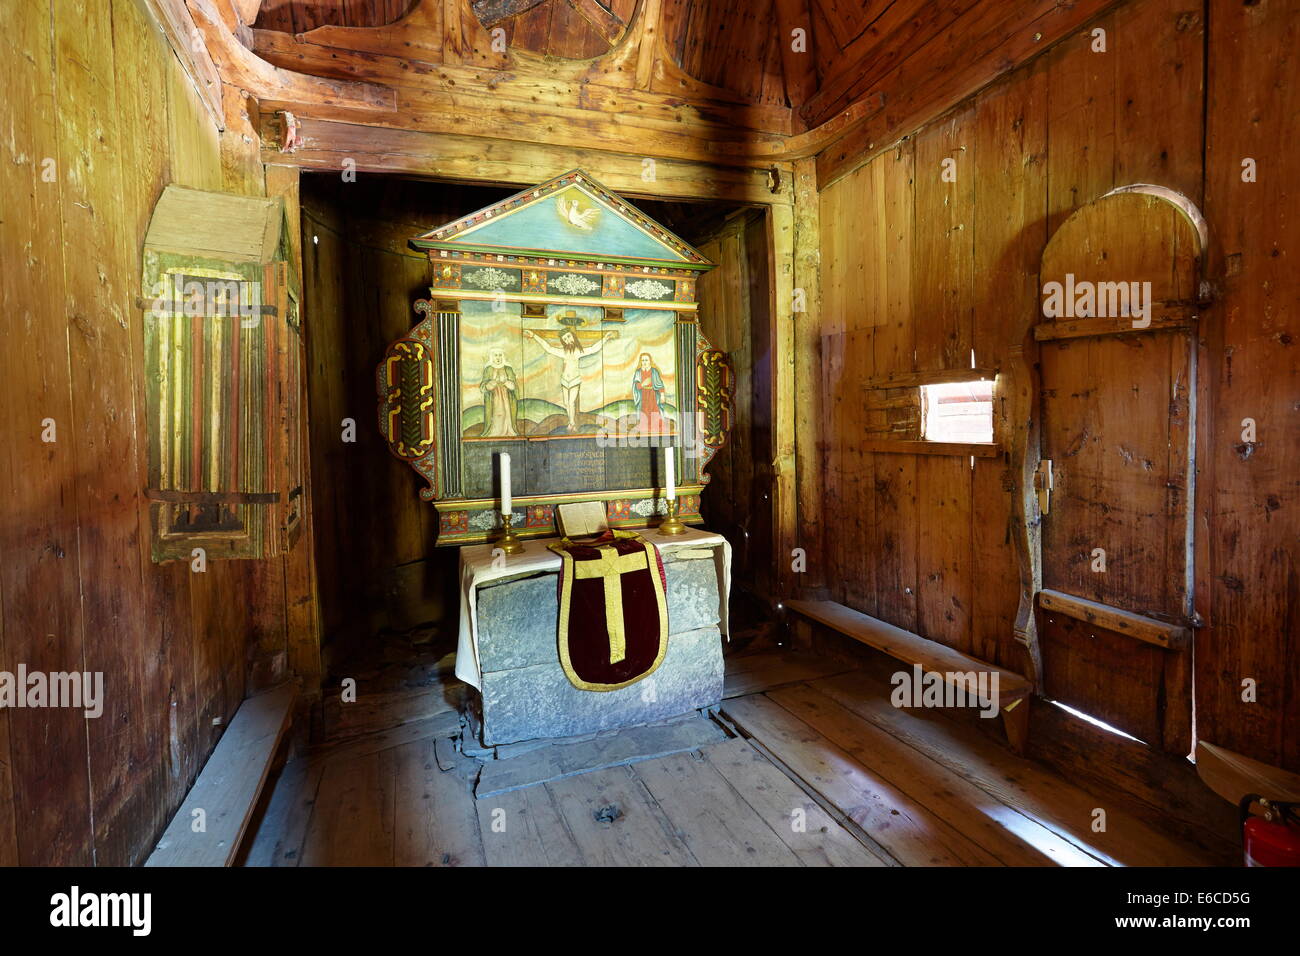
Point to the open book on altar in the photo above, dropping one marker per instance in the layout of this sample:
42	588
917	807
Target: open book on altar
582	519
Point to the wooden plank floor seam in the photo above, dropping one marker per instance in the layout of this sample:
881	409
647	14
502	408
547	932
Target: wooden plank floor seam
1127	841
911	832
840	817
750	838
816	771
980	816
834	812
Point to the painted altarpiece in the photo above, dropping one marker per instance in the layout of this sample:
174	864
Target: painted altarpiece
562	329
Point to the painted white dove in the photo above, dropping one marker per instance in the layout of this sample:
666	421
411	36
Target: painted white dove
569	213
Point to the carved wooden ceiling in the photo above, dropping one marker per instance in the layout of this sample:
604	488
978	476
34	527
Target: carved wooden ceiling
739	83
731	44
734	45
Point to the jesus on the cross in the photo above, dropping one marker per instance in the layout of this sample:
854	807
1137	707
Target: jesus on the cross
570	351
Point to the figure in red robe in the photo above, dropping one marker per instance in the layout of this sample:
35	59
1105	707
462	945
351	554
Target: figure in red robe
647	393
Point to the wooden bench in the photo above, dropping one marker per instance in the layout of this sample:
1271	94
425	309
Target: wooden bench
1232	775
930	656
228	787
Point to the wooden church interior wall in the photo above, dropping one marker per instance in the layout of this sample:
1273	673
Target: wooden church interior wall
179	650
1249	525
916	272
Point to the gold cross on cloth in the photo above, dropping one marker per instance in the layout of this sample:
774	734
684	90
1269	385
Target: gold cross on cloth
612	566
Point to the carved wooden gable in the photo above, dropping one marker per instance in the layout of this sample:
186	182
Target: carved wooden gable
561	329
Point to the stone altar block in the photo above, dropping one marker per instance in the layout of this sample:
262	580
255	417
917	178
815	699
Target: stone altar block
524	694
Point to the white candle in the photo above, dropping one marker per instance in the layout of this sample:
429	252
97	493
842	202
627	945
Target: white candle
505	483
672	472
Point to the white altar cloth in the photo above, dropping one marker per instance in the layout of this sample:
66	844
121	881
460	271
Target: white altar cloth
477	568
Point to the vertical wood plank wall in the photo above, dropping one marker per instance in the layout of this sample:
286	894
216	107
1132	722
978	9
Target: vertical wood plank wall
917	272
99	117
735	316
1251	578
378	566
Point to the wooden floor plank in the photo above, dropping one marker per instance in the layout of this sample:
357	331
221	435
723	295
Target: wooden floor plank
835	775
1013	838
283	828
435	823
352	821
714	821
807	829
754	673
615	822
372	713
623	747
525	828
908	831
440	725
1036	791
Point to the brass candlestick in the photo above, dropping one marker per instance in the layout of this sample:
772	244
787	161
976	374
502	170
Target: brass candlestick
509	542
672	524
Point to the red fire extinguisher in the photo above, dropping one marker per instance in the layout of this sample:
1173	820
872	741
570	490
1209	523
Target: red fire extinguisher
1274	838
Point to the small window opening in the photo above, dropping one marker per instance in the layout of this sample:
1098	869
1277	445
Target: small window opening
1096	722
957	412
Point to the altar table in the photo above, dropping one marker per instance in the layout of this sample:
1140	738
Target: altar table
507	645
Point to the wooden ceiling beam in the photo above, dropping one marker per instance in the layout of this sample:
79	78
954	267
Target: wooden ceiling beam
815	141
639	62
647	19
247	10
603	21
328	144
799	67
415	46
177	25
435	97
240	67
493	117
423	78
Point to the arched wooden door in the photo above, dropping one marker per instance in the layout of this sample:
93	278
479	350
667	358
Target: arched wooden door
1115	482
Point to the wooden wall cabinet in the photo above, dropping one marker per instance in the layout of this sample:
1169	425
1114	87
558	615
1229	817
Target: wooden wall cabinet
223	377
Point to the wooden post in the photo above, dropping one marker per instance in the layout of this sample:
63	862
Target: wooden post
806	382
1021	395
302	606
781	235
1015	721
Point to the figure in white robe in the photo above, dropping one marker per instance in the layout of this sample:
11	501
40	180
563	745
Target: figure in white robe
500	397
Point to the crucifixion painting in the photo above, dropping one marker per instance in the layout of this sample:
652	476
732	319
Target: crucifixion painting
570	350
